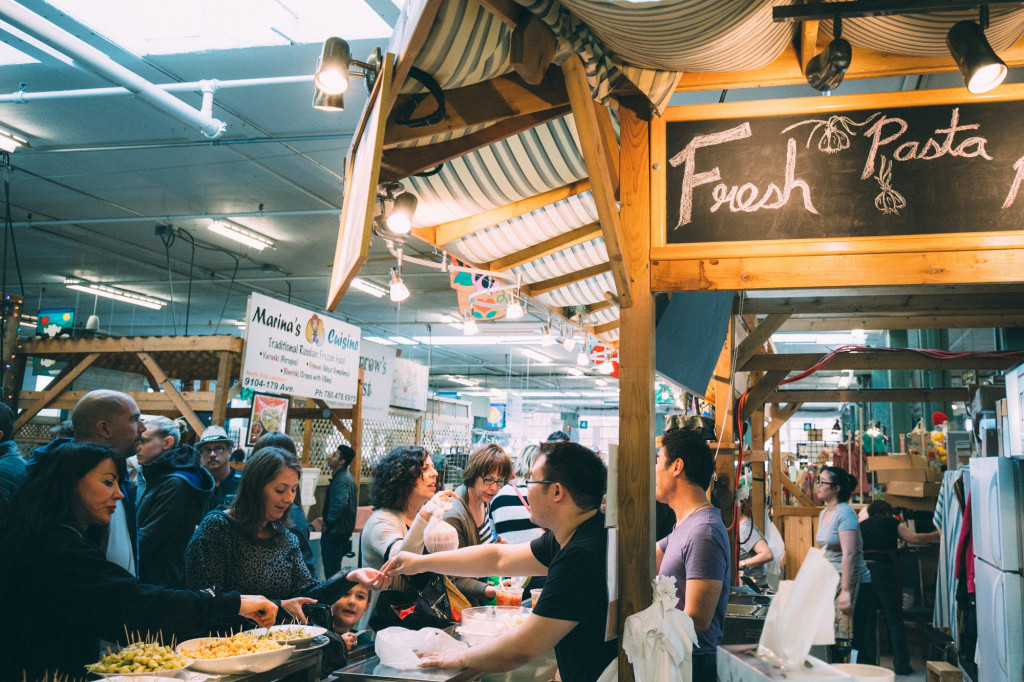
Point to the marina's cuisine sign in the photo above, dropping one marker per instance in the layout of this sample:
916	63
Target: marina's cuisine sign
869	172
298	352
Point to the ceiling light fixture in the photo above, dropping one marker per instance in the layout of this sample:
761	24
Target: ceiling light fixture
462	381
114	294
606	367
253	240
332	66
515	309
10	142
469	325
404	340
583	358
368	287
379	339
982	69
397	289
825	71
569	343
398	219
537	357
327	102
546	337
575	371
601	382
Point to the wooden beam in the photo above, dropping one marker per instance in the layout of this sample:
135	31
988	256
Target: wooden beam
595	155
759	392
407	39
151	344
463	227
297	413
357	427
400	163
635	465
335	419
62	381
566	240
800	495
508	11
482	103
903	304
758	336
168	387
220	401
806	510
787	69
874	395
532	47
808	44
546	285
909	321
780	415
148	401
777	417
881	359
877	269
611	144
599	329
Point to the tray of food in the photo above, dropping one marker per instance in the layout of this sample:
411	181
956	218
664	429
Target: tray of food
240	653
140	659
299	636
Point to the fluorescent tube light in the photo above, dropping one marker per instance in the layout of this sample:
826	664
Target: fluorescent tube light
535	356
9	142
575	371
115	294
404	340
462	381
601	382
379	339
253	240
369	288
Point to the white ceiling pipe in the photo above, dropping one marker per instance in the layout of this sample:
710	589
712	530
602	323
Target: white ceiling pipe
102	65
23	97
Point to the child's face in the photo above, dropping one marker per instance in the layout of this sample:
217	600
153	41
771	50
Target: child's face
349	609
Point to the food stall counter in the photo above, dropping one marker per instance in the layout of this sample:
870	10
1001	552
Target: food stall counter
370	670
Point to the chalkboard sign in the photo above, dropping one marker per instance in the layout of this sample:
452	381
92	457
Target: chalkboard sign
867	172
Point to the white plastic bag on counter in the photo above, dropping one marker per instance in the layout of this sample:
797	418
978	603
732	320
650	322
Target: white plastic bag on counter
439	535
399	648
801	614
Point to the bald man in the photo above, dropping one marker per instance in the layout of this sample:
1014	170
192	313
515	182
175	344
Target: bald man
113	419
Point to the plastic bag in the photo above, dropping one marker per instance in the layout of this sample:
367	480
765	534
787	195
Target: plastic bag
401	649
773	569
440	536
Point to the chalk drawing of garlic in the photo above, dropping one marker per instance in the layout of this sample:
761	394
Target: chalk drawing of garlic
888	200
51	330
835	131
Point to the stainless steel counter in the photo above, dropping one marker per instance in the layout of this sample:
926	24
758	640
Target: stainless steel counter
370	670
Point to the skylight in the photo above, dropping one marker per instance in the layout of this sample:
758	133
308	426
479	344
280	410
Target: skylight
151	28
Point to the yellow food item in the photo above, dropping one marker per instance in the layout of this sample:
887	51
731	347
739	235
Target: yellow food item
139	657
236	645
289	632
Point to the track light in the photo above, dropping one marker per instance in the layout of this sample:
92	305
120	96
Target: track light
569	343
332	67
469	325
397	289
546	337
825	71
326	102
254	240
400	220
514	310
981	67
583	358
606	367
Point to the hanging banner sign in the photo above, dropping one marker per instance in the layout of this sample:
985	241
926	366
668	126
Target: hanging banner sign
409	388
378	365
294	351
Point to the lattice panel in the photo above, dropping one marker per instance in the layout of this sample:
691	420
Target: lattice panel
32	435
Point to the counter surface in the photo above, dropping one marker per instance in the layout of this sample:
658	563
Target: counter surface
370	669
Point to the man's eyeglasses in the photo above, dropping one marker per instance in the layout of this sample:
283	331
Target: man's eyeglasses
490	480
822	481
539	482
219	449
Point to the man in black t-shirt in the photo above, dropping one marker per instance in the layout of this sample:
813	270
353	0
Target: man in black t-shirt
564	491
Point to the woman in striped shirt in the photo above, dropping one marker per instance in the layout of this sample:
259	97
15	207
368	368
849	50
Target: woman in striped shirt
488	469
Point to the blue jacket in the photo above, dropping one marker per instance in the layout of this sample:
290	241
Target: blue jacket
12	472
127	489
178	490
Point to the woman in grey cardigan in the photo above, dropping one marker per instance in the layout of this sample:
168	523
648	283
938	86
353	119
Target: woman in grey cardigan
488	469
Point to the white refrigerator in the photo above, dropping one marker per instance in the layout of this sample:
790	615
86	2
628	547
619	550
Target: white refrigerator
997	521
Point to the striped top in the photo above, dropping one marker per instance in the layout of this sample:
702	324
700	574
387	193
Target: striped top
485	531
512	518
948	518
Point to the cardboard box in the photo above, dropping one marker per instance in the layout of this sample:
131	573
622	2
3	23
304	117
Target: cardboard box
916	503
913	488
928	475
896	462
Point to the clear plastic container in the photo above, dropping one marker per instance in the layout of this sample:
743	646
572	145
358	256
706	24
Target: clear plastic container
483	623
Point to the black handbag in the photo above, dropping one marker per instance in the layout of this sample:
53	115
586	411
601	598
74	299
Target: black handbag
424	605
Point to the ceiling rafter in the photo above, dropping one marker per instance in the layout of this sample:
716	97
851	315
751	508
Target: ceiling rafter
566	240
545	285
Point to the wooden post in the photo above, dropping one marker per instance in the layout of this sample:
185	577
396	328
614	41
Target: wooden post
757	470
636	384
777	473
357	430
307	437
220	396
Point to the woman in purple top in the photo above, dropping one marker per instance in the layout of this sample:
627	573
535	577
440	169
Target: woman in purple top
696	553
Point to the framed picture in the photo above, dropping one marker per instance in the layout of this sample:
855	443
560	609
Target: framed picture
269	413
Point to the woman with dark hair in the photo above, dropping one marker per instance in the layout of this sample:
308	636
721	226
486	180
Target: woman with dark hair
247	546
52	572
839	536
487	471
404	495
754	550
294	519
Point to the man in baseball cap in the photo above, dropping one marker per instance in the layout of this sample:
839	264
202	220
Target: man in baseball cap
215	451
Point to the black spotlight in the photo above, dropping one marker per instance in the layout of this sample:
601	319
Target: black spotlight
825	71
982	69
